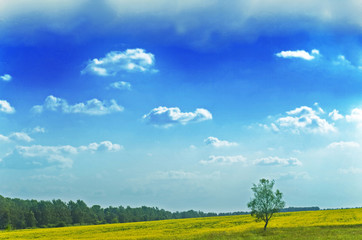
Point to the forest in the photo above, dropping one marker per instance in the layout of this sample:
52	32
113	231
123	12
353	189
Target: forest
16	213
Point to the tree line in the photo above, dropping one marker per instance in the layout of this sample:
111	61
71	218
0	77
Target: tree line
18	214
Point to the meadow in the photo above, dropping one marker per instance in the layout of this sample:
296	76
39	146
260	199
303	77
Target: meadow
324	224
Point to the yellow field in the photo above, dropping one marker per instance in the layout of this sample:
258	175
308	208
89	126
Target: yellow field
331	224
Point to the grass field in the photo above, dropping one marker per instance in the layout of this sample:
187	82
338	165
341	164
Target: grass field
329	224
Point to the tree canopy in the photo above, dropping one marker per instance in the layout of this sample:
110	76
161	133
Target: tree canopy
265	202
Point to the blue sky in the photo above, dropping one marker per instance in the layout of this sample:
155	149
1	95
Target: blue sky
181	105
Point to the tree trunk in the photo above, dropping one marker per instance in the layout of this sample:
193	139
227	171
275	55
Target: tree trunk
266	223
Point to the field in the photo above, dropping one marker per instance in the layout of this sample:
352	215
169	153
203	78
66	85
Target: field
328	224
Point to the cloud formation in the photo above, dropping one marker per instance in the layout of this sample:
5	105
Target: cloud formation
39	156
5	107
343	145
131	60
121	85
215	142
4	138
38	129
304	119
355	116
278	161
16	136
102	146
244	19
20	136
166	117
6	77
335	115
224	160
91	107
298	54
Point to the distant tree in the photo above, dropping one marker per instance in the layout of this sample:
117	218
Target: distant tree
30	220
265	202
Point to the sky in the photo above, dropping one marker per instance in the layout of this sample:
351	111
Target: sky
181	104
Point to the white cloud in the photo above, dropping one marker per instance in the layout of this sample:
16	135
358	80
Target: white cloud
298	54
16	136
5	107
335	115
102	146
315	52
320	110
224	160
20	136
91	107
40	150
131	60
342	60
6	77
278	161
39	156
121	85
4	138
215	142
181	19
166	117
355	116
304	119
38	129
343	145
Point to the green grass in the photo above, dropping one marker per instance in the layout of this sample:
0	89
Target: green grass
331	224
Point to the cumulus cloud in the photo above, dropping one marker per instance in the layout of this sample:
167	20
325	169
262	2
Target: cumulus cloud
335	115
39	156
166	117
121	85
224	160
304	119
298	54
91	107
343	61
343	145
16	136
6	77
102	146
278	161
215	142
20	136
355	116
5	107
38	129
4	138
131	60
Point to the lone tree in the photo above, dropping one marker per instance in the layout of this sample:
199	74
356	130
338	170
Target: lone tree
265	202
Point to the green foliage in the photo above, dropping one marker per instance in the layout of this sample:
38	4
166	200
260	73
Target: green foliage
18	214
265	202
